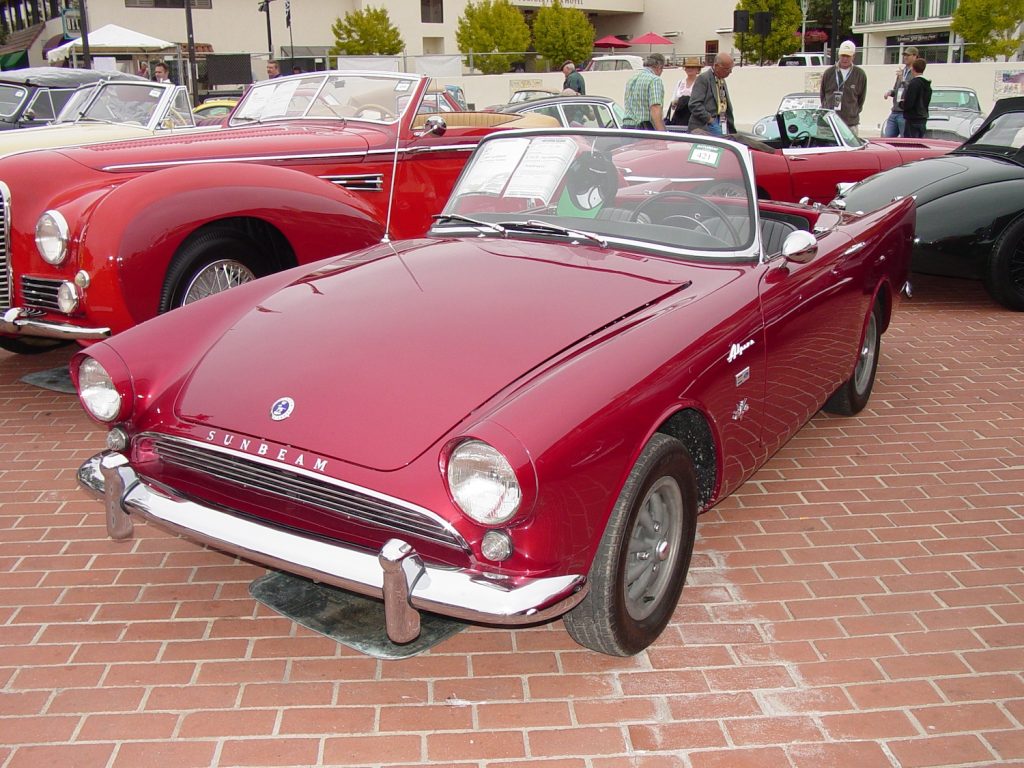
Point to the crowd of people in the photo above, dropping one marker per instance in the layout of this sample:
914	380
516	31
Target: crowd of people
701	100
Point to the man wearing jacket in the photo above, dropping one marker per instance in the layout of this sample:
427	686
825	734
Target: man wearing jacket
915	102
894	122
710	102
844	87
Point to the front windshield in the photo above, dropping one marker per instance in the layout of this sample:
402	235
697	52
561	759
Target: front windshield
678	194
121	102
1006	131
345	96
814	128
955	99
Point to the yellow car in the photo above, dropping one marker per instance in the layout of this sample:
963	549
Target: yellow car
213	110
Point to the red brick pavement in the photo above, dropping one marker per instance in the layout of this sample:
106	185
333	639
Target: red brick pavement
860	602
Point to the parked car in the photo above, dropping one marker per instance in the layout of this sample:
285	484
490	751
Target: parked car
613	62
34	96
953	113
809	151
768	128
805	60
213	111
573	111
970	205
106	236
522	96
521	415
109	110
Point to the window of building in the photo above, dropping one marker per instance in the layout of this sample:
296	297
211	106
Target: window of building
432	11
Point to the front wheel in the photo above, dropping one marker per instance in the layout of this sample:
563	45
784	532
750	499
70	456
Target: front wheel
1004	274
853	395
210	263
644	554
29	345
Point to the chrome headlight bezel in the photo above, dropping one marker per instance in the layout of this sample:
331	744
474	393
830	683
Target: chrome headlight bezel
52	235
97	392
483	483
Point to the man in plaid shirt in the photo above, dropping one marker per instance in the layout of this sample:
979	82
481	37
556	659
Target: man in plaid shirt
645	96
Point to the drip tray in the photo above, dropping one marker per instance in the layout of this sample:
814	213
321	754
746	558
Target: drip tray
350	619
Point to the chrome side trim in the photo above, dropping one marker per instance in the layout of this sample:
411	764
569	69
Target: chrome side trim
462	594
6	275
17	320
364	182
250	159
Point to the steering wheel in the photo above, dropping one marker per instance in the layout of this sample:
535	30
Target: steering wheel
801	138
384	112
715	211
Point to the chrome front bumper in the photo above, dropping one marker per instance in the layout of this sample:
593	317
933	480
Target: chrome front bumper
396	574
17	321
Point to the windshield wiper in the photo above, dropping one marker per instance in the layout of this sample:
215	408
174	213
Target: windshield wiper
440	217
532	225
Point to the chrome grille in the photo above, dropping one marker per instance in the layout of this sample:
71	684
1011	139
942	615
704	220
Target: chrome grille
40	292
345	500
5	251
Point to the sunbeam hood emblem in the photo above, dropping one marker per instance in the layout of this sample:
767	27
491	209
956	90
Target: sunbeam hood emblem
282	408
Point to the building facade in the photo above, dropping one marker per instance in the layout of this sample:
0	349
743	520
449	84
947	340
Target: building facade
889	26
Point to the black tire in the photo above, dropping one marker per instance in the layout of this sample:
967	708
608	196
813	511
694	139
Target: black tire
662	489
226	256
1004	273
853	395
29	345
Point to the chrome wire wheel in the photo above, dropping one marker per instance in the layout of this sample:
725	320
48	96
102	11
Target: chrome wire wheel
864	373
216	277
653	549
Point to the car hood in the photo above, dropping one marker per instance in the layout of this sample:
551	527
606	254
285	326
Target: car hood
385	351
229	144
928	180
66	135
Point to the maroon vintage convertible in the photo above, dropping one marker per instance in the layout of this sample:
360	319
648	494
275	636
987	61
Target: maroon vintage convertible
521	415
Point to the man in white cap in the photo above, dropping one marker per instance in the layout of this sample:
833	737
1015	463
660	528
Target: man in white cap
844	87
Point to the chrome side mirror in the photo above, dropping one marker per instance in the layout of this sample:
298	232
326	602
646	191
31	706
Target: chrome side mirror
842	186
800	246
434	126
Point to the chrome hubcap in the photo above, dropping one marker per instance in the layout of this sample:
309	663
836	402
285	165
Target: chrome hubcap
216	277
866	360
654	548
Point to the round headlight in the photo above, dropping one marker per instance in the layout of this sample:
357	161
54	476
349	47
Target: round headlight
67	297
483	483
52	237
97	392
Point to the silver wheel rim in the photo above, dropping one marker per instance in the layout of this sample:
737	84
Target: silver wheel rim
866	360
653	548
217	277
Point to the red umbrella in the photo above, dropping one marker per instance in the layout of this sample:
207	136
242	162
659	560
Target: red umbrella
610	41
651	38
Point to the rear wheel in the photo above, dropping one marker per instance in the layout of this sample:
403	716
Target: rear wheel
644	555
212	262
1004	275
853	395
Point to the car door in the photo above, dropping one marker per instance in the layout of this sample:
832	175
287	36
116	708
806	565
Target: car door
819	157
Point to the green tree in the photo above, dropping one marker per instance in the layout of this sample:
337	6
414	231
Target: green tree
494	27
785	34
561	34
819	14
990	27
365	32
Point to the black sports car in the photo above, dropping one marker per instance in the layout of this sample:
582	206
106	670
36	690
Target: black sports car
970	205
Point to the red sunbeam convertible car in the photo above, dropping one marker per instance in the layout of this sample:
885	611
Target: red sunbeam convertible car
521	415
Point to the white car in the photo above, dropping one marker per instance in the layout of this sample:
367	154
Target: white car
954	114
805	60
613	62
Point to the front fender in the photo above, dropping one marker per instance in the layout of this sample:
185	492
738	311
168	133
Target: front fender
134	232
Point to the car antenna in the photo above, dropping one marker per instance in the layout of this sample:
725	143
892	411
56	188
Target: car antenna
394	179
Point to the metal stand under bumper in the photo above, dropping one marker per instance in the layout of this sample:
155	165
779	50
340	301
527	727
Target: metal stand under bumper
396	574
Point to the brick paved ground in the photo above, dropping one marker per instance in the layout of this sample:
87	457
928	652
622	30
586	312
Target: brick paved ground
859	603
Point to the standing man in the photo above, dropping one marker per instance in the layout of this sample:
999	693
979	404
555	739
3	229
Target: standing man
916	100
645	95
844	87
894	122
160	72
710	103
573	79
273	69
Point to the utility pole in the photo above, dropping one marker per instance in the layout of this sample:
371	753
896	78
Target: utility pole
83	25
193	73
836	20
803	26
265	7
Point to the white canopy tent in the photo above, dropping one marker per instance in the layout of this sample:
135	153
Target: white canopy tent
110	40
